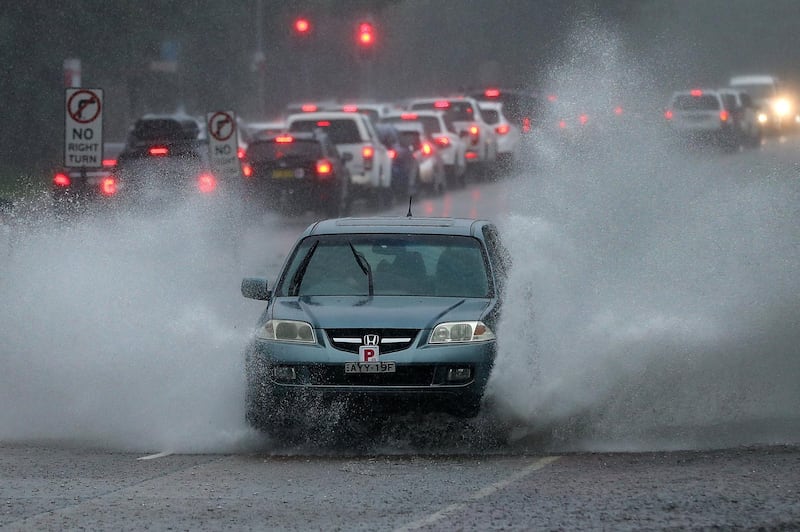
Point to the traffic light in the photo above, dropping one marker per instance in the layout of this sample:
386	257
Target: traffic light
301	26
366	35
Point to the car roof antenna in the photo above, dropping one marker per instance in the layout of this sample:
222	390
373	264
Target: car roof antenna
408	214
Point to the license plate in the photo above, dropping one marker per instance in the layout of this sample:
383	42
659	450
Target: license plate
287	173
370	367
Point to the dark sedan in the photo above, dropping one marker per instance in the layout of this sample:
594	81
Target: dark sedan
381	314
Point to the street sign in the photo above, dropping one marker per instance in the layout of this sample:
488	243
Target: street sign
83	128
223	143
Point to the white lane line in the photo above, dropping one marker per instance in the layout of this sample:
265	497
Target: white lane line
478	495
154	456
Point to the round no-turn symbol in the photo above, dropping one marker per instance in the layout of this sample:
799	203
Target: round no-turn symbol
221	126
84	106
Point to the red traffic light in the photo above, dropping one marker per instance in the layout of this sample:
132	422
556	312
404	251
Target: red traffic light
366	34
302	26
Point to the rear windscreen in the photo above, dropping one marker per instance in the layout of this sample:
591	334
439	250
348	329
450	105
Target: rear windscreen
456	110
686	102
410	138
430	124
163	130
341	131
271	150
490	116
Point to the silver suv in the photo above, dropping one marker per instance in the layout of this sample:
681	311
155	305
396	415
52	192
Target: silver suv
700	117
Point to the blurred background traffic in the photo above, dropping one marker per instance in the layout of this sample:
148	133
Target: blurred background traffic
258	56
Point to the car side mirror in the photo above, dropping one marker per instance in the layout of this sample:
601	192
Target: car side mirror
255	288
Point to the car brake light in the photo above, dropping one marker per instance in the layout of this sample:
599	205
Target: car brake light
442	141
696	93
442	104
323	123
502	129
109	163
552	97
526	124
308	108
723	115
159	151
618	110
471	155
240	153
492	93
324	168
409	116
368	153
668	114
207	183
350	108
584	118
427	149
247	170
562	124
392	154
284	139
108	186
61	180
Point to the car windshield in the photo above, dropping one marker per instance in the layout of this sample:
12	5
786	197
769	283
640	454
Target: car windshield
400	265
687	102
341	131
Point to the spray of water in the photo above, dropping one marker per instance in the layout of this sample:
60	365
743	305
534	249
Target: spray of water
654	298
123	331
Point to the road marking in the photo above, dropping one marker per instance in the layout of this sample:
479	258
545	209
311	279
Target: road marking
478	495
154	456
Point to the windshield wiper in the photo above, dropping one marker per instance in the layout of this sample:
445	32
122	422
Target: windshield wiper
294	287
365	267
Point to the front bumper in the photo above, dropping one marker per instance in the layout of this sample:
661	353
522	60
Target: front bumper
422	381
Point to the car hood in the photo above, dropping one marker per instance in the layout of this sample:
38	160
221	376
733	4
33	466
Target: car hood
401	312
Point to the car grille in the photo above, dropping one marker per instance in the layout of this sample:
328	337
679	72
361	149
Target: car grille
411	375
391	340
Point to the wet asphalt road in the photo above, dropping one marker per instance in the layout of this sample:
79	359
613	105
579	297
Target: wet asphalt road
75	489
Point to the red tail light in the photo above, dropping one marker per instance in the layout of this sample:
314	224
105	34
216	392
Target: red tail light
158	151
108	186
444	142
526	124
427	149
284	139
240	153
109	163
409	116
324	168
207	183
308	108
696	93
668	114
441	104
552	97
618	110
471	155
392	154
368	154
723	115
61	180
562	124
247	170
491	93
474	132
502	129
350	108
583	119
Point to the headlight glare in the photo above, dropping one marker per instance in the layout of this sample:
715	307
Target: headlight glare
460	332
287	331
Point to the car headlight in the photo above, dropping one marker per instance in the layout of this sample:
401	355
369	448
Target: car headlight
287	331
782	107
460	332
